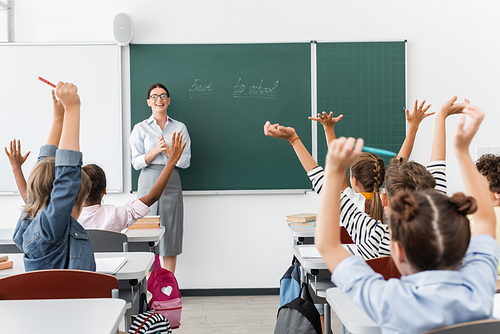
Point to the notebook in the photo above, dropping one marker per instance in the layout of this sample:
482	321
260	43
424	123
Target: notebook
311	252
109	265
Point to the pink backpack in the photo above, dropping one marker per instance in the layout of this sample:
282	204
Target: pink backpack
166	298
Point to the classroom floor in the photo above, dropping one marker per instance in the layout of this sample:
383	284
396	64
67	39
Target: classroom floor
234	314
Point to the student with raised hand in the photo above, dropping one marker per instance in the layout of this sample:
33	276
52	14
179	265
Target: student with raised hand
372	236
48	231
448	277
16	160
107	216
488	166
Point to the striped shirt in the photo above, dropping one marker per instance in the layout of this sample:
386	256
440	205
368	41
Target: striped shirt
371	235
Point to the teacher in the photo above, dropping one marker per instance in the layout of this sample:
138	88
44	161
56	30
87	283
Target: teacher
150	141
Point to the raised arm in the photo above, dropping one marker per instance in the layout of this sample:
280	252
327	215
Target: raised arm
484	217
439	142
341	154
288	133
328	122
174	153
68	96
414	119
57	122
16	160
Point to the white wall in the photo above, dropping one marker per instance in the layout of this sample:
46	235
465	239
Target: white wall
453	49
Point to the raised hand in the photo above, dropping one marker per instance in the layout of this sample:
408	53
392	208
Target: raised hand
451	108
67	94
58	106
464	135
327	119
342	153
174	152
15	156
418	114
278	131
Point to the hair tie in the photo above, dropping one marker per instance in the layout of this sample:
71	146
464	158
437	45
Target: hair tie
367	195
291	142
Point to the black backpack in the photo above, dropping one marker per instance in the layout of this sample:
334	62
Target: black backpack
299	316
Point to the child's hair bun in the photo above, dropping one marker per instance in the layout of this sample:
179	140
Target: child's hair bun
404	206
466	205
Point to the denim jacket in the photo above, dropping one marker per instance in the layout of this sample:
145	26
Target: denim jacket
54	239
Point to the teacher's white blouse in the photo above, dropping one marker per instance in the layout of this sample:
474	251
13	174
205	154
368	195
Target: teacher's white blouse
144	138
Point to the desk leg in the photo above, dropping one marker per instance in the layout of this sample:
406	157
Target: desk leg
327	319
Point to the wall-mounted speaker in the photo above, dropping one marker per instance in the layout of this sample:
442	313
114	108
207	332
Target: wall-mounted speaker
123	29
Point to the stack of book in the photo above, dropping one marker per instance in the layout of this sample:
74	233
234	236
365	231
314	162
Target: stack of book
302	219
5	263
146	222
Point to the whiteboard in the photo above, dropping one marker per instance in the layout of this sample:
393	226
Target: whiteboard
26	103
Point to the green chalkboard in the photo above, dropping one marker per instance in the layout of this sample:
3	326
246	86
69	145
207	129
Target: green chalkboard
224	93
366	83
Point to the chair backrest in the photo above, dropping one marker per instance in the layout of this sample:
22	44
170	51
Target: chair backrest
58	284
345	238
385	266
480	326
108	241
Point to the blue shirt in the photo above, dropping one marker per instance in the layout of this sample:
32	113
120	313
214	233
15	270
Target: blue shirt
144	138
429	299
54	239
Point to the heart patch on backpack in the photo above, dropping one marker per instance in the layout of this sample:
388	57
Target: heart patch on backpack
167	290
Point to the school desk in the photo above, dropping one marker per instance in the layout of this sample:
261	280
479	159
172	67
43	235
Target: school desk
354	320
77	316
316	267
139	240
302	234
6	243
142	239
131	277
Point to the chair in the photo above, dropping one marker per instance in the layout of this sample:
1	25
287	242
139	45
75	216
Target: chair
108	241
58	284
385	266
480	326
345	238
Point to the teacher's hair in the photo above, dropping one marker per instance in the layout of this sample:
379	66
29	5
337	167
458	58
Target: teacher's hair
158	85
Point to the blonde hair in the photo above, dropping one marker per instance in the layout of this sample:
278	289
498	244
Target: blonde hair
40	184
369	170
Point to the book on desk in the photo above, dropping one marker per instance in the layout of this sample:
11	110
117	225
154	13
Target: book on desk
301	219
146	223
5	263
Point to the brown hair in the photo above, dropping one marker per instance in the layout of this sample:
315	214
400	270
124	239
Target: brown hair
40	184
431	227
158	85
98	179
369	170
404	175
489	166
